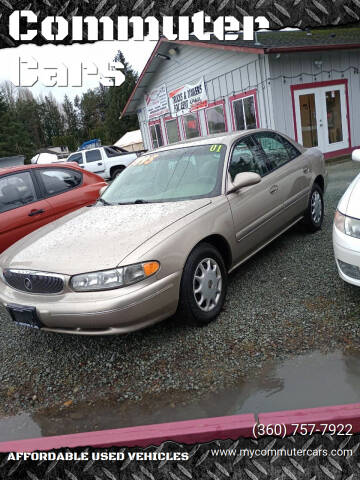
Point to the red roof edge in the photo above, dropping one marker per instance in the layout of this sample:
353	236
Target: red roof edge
191	43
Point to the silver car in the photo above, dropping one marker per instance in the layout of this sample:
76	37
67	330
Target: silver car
164	235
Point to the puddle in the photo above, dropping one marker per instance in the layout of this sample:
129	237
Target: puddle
311	380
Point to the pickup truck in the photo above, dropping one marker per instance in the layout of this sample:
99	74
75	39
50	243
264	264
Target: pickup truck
108	162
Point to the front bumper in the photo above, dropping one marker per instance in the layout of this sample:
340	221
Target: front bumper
347	250
110	312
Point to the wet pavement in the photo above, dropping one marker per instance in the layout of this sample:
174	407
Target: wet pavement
312	380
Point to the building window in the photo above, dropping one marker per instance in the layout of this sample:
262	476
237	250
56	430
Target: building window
156	135
172	130
191	125
244	111
215	118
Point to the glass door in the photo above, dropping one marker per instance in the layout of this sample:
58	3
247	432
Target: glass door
321	118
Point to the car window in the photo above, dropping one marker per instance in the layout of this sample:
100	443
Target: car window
59	180
93	155
183	173
247	157
274	148
293	152
76	157
16	190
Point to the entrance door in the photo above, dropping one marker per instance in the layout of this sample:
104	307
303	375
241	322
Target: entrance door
321	117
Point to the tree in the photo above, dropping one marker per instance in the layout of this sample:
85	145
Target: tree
116	101
52	119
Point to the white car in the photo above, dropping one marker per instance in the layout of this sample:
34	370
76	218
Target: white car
108	162
346	231
46	158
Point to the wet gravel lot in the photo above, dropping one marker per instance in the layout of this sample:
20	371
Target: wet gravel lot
287	300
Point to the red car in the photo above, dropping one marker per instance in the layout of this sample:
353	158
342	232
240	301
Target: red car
34	195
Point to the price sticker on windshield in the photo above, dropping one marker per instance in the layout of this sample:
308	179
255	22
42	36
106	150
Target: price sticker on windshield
145	160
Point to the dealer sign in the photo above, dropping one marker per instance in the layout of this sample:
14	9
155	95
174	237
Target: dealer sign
157	102
188	98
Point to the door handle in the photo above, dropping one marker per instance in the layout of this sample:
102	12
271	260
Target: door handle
274	189
306	170
36	212
100	164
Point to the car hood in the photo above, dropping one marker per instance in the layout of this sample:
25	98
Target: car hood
95	238
350	201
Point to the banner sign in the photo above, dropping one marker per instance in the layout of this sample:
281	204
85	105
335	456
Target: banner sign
157	102
188	98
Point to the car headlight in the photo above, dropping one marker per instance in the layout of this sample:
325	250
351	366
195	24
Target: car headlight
115	278
348	225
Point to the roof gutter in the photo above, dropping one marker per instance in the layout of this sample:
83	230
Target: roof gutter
312	48
219	46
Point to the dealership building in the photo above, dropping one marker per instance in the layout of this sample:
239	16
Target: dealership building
305	84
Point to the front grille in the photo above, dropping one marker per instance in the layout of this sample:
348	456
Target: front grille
31	281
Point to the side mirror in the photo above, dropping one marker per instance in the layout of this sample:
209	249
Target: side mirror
244	179
356	155
102	190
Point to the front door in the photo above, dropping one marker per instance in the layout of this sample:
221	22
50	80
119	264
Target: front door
321	117
254	209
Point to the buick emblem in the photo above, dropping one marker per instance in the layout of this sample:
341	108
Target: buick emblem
28	284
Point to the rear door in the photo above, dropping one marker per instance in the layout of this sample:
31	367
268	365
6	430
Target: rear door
255	209
293	172
21	208
94	161
62	188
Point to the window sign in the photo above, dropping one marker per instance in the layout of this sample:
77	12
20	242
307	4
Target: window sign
188	99
157	102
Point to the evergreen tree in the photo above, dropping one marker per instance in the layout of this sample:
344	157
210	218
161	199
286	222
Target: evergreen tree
116	101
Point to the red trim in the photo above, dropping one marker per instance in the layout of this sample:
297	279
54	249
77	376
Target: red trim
212	105
339	153
156	122
248	93
167	119
189	431
192	431
303	86
198	122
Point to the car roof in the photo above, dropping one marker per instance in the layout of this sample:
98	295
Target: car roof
226	138
19	168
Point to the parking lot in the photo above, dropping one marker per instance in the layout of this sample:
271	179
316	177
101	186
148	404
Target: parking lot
286	301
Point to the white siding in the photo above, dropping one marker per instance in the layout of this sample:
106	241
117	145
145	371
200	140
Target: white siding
302	68
225	72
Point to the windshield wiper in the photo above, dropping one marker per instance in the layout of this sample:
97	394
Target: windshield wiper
135	202
104	202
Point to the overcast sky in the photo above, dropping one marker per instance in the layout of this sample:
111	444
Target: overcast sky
136	54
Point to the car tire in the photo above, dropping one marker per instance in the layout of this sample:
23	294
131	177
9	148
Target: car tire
116	172
314	213
205	260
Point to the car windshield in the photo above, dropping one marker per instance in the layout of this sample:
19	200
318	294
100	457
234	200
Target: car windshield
170	175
